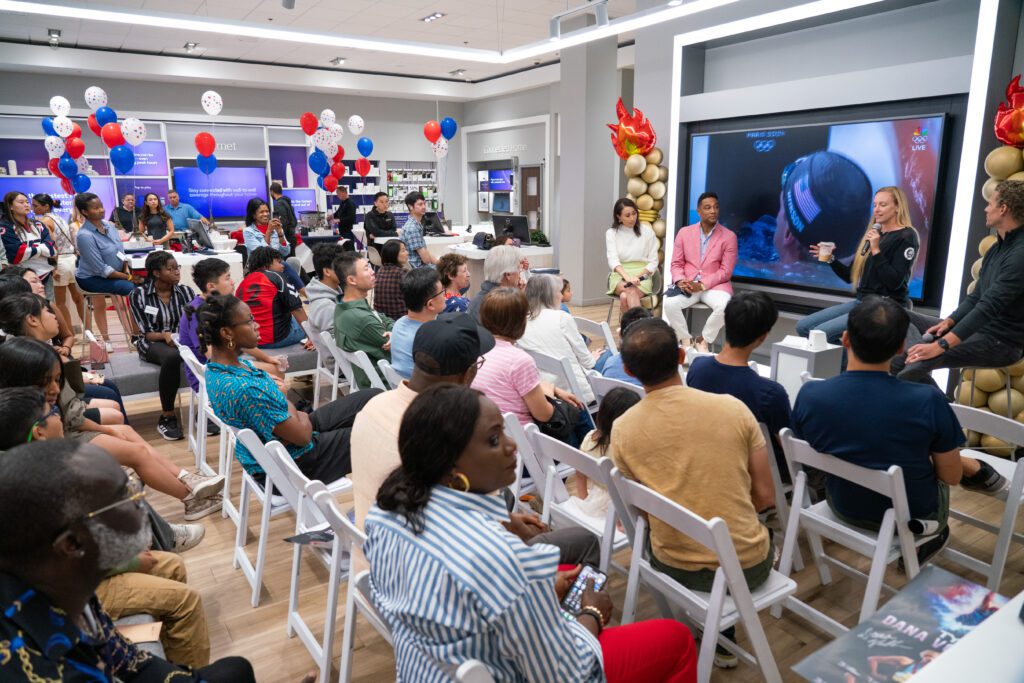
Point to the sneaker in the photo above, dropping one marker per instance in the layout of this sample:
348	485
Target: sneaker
197	508
987	480
168	428
212	429
725	659
928	551
202	486
109	346
187	536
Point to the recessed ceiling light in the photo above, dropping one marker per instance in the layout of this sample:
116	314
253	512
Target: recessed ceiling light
433	17
675	3
457	73
190	47
338	61
53	32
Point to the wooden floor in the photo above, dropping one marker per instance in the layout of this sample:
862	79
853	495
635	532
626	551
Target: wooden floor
259	634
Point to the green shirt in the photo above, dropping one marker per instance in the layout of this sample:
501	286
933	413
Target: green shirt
357	327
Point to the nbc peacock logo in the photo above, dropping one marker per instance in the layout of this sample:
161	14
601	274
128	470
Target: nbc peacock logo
919	139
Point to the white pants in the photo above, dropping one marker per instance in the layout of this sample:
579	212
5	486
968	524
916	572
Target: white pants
675	311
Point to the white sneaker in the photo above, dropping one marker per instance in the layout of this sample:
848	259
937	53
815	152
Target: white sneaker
187	536
109	346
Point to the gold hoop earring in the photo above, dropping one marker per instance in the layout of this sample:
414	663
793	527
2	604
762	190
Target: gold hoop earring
231	343
463	479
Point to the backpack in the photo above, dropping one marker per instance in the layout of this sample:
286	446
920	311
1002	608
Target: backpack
483	240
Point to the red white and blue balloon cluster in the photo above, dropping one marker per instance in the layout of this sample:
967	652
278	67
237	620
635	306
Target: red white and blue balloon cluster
118	137
65	147
326	134
433	131
206	144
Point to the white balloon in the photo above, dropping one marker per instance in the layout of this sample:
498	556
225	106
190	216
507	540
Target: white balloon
83	165
440	148
327	118
133	130
322	138
355	124
332	149
63	125
95	97
54	146
212	102
337	130
60	106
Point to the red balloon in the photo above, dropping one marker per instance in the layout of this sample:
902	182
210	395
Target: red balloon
338	170
94	125
309	122
76	132
75	147
432	130
340	155
111	134
330	183
66	186
54	166
205	144
362	167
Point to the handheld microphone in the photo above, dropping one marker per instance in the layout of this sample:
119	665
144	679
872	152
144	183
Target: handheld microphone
867	243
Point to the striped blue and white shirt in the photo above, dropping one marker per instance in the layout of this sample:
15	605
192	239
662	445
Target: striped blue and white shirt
465	588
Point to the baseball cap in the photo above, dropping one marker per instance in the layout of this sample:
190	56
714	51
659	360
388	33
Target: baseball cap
450	344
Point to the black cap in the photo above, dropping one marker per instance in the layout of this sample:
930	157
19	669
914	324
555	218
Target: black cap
450	344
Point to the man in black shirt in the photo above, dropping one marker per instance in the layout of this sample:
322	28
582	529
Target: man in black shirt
379	222
126	216
345	214
987	328
283	210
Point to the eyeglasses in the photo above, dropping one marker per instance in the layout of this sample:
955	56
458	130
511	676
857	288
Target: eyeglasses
435	295
480	362
53	411
134	494
248	321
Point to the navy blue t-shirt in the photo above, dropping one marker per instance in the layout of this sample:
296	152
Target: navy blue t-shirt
874	420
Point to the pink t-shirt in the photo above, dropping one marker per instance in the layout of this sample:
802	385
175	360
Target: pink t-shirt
508	374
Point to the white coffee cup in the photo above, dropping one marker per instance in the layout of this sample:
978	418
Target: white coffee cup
817	341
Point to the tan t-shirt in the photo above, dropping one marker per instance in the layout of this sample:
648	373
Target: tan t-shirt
375	451
694	448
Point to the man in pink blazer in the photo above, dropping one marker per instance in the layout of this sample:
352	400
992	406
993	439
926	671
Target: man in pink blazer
703	259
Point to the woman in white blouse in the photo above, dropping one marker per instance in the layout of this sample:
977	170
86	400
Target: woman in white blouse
553	332
632	251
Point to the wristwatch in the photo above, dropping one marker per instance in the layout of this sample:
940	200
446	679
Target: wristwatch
943	344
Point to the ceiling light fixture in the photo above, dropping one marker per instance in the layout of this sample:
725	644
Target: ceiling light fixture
457	73
338	61
288	4
190	47
433	17
54	34
675	3
600	8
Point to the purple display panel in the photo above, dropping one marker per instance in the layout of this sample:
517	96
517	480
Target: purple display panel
150	159
281	157
101	165
140	187
224	193
102	187
500	181
27	155
302	200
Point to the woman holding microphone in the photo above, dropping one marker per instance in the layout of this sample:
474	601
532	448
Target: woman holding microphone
882	266
632	251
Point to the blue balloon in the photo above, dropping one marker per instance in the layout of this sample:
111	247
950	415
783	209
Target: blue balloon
122	157
320	182
48	126
105	115
206	164
319	163
81	183
448	127
365	146
67	166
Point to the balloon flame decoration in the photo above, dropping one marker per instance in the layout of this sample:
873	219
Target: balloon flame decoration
632	134
1009	125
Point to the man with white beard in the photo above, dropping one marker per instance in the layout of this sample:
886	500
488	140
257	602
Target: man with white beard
71	516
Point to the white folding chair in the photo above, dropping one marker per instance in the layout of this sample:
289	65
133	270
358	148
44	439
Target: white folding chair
597	329
528	459
348	360
563	507
326	367
781	489
561	369
1011	432
806	377
309	518
199	413
601	385
347	537
730	600
473	671
893	539
392	377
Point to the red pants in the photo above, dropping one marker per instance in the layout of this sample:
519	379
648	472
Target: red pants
654	651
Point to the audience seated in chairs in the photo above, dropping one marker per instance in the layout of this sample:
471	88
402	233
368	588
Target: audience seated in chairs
553	332
454	271
387	294
438	559
422	292
749	317
247	398
357	327
509	375
446	350
502	267
593	499
273	299
53	557
703	451
32	363
872	419
157	306
263	231
324	288
610	364
65	339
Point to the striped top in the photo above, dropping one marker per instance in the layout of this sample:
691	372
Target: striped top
465	588
153	315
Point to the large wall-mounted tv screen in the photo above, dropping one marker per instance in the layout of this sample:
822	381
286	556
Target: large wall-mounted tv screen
783	189
225	192
500	181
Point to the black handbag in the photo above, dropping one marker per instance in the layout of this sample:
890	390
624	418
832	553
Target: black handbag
562	421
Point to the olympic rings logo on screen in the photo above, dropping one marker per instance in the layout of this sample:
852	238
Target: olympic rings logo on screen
764	145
